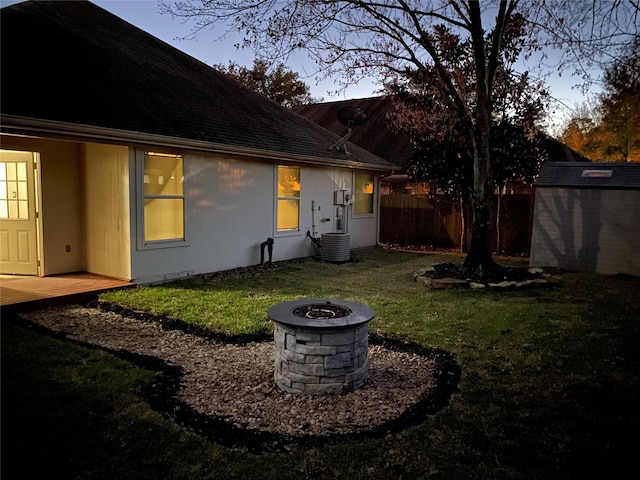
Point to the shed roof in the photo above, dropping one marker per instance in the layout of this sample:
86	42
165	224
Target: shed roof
70	67
589	175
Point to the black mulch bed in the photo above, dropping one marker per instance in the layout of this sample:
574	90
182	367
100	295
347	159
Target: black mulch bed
495	275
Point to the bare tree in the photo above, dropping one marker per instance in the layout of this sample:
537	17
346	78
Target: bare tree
584	36
384	37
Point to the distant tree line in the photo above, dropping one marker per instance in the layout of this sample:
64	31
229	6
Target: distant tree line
609	130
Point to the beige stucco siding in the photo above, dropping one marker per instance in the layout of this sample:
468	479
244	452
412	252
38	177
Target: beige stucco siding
587	229
61	208
106	215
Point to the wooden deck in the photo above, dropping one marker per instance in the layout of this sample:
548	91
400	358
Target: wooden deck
20	292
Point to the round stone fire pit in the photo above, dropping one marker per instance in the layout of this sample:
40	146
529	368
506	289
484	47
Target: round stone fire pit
321	345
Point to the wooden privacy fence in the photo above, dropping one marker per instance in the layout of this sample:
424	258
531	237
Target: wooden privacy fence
435	220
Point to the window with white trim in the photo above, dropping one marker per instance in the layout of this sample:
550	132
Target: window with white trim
14	198
288	208
363	193
163	214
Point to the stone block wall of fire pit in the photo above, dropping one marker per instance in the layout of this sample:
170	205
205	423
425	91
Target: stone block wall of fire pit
321	355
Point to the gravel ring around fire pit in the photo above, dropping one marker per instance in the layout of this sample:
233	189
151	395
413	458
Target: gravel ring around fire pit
225	390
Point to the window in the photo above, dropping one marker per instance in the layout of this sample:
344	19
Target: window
14	201
163	197
363	193
288	199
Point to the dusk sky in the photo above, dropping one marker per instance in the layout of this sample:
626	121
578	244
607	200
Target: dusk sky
145	15
210	50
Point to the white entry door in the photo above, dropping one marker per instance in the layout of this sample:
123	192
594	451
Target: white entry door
18	222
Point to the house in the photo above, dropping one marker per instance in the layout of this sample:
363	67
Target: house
124	157
587	217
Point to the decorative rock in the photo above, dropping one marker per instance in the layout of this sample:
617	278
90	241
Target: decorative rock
422	271
477	285
504	284
444	283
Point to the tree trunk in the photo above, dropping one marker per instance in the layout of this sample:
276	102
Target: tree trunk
498	226
478	262
463	225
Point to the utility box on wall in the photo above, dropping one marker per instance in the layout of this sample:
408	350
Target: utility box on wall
342	197
587	217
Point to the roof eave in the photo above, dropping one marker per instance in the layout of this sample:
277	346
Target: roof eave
13	124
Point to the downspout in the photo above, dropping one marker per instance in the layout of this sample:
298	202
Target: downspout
378	243
313	219
346	218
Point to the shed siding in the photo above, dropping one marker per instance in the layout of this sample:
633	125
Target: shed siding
587	229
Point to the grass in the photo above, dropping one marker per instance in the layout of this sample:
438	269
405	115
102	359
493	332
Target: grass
550	382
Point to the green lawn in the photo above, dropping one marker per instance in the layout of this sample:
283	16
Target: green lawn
550	382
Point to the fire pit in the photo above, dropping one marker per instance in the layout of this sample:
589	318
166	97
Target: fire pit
321	345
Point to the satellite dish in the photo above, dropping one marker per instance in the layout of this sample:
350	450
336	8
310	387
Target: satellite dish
351	116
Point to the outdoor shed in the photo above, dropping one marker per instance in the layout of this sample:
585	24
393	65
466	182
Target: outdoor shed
587	217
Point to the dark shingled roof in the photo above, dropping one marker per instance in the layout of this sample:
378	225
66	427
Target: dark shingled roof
589	175
74	62
373	134
395	147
